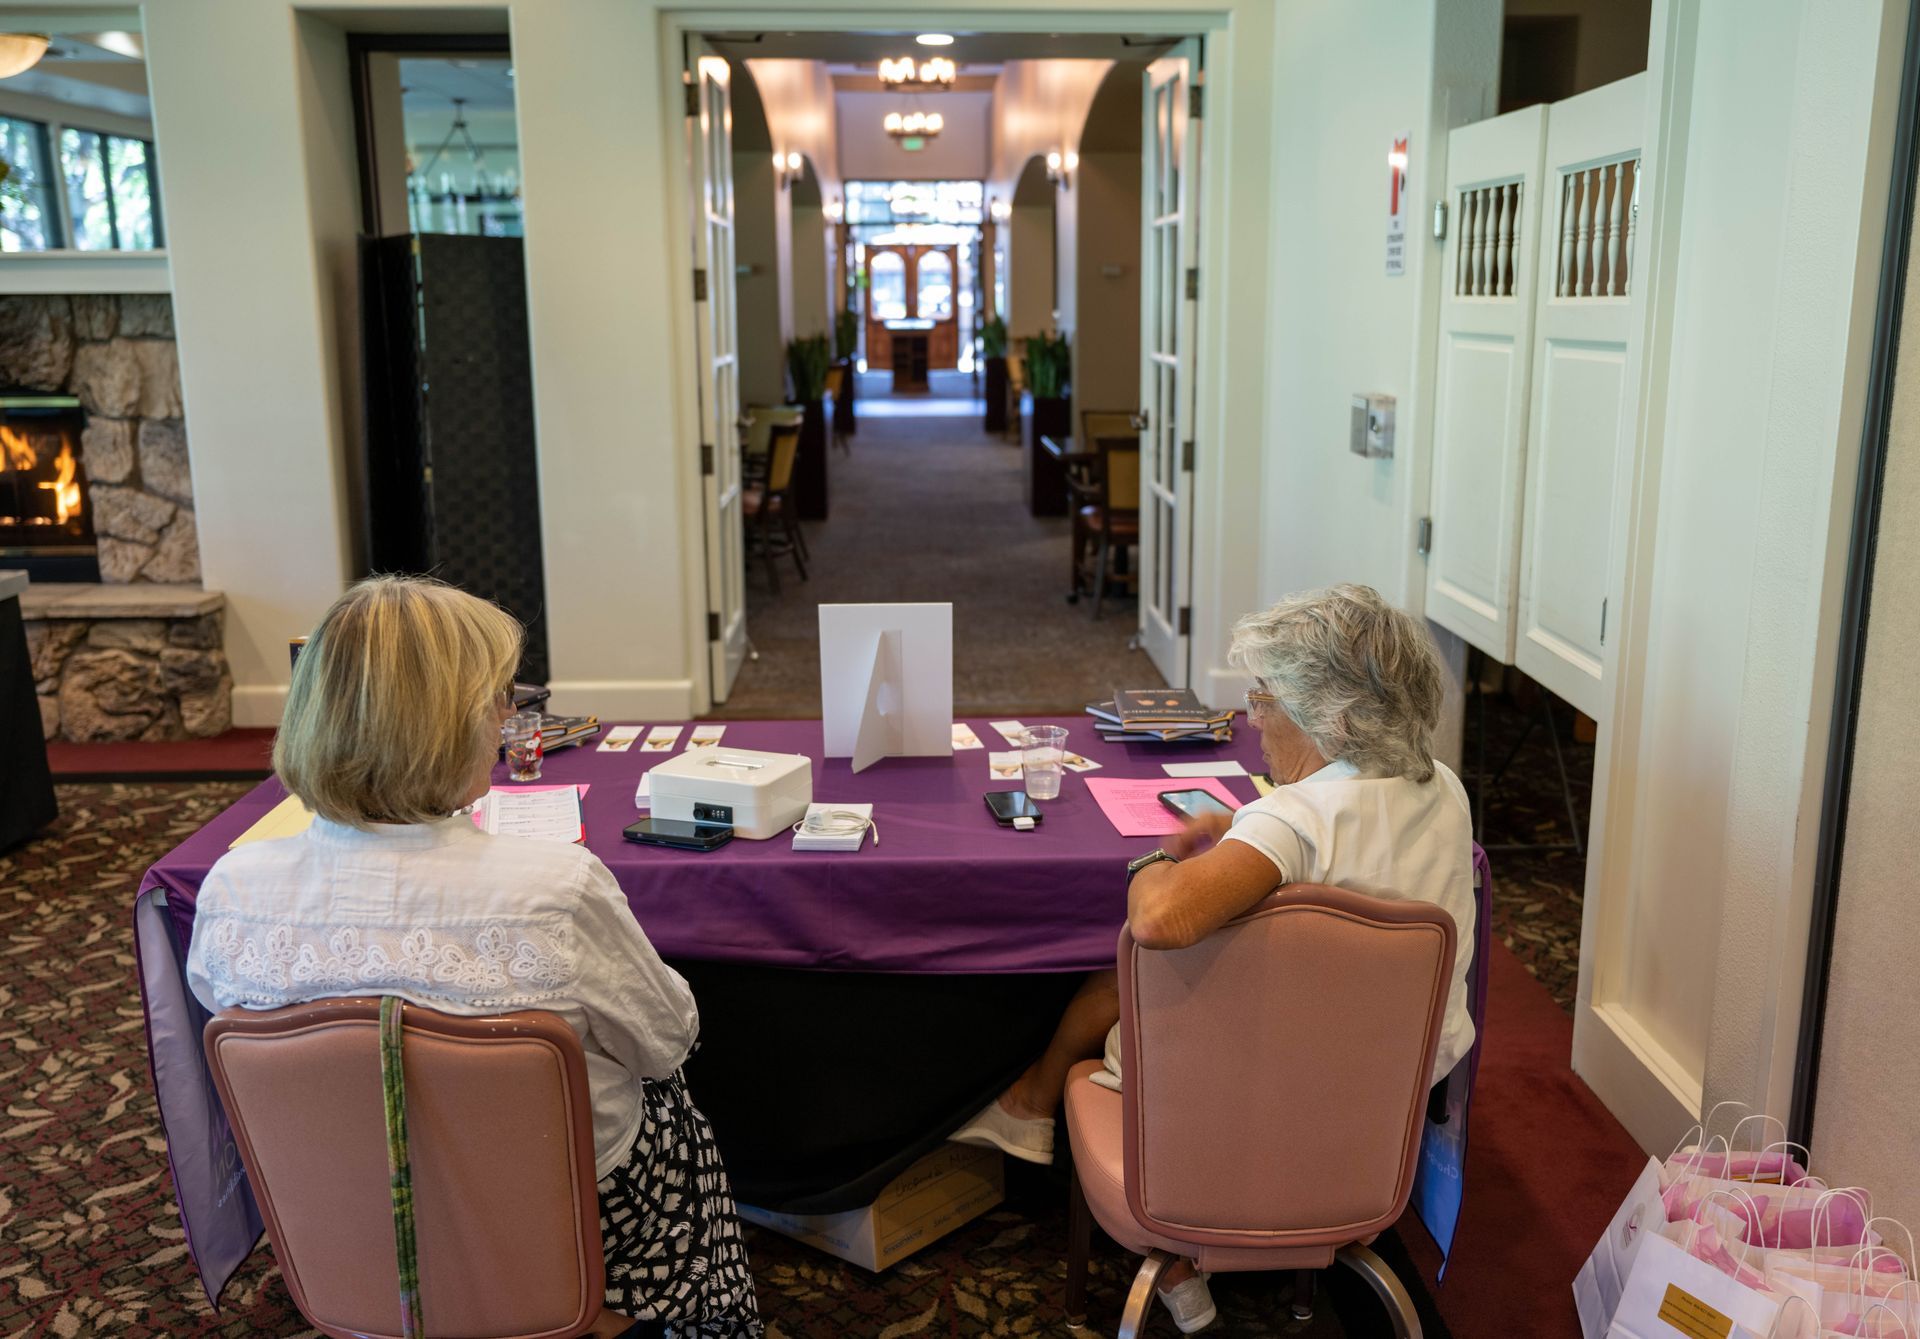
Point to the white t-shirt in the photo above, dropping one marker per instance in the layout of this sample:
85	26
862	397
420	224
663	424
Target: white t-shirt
1389	837
446	916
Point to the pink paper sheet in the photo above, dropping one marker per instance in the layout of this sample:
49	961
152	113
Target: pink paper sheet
1133	806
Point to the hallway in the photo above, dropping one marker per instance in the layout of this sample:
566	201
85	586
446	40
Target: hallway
930	508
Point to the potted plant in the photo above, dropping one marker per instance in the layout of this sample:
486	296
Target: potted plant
846	342
993	354
1049	367
808	359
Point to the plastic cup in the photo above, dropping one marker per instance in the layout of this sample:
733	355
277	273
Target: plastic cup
1040	760
520	734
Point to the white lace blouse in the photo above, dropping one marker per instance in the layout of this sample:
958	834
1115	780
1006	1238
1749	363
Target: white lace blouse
447	916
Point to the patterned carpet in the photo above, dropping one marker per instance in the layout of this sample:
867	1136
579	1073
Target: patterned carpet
1538	894
90	1240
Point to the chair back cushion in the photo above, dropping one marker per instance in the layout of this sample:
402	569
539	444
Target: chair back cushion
500	1134
1121	465
1100	425
1276	1072
785	446
762	420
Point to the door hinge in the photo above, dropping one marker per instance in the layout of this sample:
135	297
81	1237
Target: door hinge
693	97
1193	284
1603	622
713	626
1196	99
1439	220
1186	620
1425	541
1186	455
699	285
706	460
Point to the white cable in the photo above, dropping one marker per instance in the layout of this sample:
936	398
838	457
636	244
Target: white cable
836	823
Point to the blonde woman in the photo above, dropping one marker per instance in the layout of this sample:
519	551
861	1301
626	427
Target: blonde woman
390	734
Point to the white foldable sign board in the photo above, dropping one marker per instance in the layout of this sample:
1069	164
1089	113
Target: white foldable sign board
886	681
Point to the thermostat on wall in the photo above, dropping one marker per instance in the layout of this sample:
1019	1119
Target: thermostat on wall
1372	426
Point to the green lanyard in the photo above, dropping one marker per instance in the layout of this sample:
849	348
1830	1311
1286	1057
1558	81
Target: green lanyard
393	1086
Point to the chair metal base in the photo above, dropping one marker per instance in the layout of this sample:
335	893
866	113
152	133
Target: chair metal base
1388	1288
1133	1320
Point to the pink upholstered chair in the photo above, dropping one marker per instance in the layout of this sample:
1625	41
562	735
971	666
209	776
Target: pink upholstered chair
500	1136
1275	1078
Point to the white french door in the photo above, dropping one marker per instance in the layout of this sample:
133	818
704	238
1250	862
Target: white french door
1583	317
1480	409
1169	296
716	326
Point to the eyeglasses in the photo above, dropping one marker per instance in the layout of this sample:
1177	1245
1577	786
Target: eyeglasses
1258	702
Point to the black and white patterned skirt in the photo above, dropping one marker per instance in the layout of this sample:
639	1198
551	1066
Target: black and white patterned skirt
673	1244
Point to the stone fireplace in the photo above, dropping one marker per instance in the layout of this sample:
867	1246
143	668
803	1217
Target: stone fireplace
136	653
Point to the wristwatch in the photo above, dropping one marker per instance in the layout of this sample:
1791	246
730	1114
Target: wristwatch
1153	857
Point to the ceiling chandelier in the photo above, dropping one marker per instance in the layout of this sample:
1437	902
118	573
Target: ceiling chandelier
906	75
912	126
20	52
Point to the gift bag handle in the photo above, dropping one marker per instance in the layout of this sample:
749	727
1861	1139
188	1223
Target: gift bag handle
1763	1118
1909	1261
1822	1215
1788	1146
1746	1247
1866	1271
1882	1306
1774	1331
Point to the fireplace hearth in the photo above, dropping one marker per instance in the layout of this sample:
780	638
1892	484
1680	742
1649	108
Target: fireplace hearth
46	519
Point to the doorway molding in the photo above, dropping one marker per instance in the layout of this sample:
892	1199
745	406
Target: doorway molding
1232	317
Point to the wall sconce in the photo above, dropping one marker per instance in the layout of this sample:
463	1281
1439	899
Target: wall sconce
786	169
1060	168
1000	210
834	210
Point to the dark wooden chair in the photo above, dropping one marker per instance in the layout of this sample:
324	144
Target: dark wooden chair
1103	484
836	388
768	506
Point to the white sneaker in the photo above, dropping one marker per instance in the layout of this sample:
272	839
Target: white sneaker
1190	1303
996	1127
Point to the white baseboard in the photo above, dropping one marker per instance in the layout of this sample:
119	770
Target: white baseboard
259	704
1645	1088
648	700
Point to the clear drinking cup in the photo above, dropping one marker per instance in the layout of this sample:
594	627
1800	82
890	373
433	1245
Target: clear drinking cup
1040	760
521	735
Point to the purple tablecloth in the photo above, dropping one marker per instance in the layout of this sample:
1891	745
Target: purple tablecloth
945	890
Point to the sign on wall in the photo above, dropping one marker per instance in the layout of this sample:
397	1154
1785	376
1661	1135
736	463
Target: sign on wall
1397	206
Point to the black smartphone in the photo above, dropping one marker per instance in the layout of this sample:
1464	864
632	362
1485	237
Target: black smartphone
1007	805
678	833
1191	804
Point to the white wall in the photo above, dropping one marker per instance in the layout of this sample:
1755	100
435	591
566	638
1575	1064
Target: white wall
255	309
797	96
1772	334
1039	106
811	314
1106	353
1869	1066
760	220
1339	323
1030	262
958	153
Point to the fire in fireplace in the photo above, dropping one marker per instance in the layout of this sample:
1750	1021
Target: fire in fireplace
46	525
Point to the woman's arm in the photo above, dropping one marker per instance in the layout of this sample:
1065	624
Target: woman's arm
638	1008
1172	905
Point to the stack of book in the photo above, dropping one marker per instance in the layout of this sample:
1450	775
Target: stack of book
561	732
1160	715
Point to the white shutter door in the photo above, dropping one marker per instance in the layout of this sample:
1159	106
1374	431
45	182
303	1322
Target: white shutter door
1581	324
1480	410
716	327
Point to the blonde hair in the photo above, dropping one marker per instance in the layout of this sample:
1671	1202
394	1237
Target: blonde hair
392	708
1359	677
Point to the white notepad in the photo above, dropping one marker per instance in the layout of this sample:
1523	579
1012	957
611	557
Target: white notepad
549	813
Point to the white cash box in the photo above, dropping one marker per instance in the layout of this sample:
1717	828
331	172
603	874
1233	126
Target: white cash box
759	795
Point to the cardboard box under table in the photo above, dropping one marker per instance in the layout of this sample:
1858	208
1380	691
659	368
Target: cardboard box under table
950	1186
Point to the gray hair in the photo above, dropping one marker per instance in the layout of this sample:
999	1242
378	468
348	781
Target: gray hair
1359	677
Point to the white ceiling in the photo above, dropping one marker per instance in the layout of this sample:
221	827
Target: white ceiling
431	83
101	71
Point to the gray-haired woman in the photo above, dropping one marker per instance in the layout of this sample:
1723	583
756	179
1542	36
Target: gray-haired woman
1347	694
